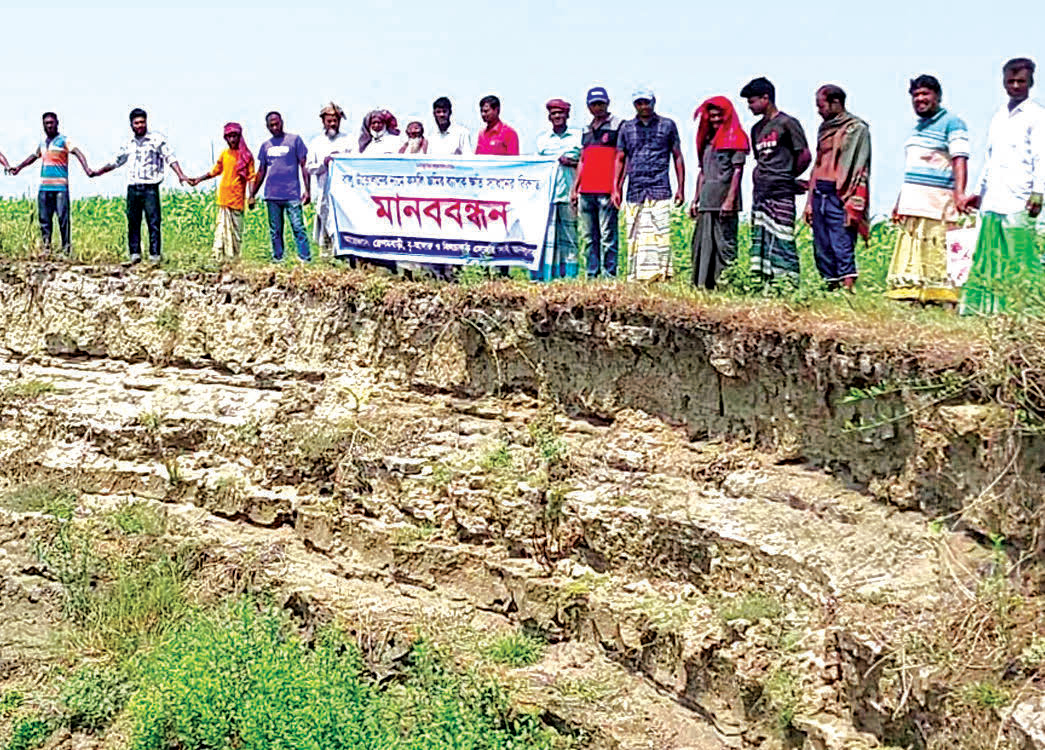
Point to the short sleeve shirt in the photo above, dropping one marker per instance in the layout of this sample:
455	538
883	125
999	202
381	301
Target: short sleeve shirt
54	171
599	147
232	187
648	150
777	142
282	159
928	179
718	166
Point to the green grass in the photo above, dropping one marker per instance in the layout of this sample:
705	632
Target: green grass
750	607
27	389
242	678
42	497
515	650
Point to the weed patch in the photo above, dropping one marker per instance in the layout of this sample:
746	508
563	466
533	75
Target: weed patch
515	650
48	498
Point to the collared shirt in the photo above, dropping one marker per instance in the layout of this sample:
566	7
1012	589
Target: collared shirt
566	143
455	141
1015	163
599	147
928	180
500	140
54	171
148	156
648	149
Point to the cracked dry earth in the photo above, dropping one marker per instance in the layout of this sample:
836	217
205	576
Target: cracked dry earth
696	595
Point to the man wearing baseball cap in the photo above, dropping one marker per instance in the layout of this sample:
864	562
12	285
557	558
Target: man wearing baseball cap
645	145
590	195
559	258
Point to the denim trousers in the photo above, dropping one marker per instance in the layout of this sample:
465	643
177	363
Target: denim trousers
599	229
292	209
51	203
143	199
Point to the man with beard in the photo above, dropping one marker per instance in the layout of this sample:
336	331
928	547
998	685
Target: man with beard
53	198
781	155
1009	196
448	139
320	151
837	203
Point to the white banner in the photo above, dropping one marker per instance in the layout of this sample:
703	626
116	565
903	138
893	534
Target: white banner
457	209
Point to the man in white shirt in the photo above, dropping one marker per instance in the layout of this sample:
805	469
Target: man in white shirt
148	154
1009	197
320	151
448	139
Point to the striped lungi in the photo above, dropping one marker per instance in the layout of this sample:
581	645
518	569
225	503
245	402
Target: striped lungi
773	249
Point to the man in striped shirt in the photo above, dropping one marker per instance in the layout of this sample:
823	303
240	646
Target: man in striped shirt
931	199
53	198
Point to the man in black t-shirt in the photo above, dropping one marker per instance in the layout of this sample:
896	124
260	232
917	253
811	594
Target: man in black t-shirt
781	155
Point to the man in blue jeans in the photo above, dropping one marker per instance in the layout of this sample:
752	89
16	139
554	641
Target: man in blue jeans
281	159
591	190
53	198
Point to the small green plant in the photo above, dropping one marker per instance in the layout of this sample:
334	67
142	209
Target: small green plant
550	446
751	607
169	319
43	497
249	432
780	694
498	457
1033	656
28	389
92	696
138	518
515	650
10	701
409	534
984	694
152	421
29	733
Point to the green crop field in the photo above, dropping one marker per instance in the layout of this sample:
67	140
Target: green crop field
99	237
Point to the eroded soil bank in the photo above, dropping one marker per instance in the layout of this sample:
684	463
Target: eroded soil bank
721	546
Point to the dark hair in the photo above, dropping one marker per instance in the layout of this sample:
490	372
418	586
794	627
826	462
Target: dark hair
442	103
492	100
925	81
273	112
833	93
759	87
138	112
49	114
1016	64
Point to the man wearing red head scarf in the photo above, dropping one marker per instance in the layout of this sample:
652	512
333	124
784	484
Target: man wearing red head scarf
236	167
722	147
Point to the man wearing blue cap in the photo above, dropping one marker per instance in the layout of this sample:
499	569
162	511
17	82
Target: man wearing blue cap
644	147
591	193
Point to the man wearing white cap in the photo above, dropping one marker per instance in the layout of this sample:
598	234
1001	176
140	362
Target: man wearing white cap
645	145
322	148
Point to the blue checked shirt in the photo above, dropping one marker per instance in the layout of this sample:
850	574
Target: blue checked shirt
648	149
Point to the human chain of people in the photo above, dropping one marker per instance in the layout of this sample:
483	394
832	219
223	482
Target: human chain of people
616	166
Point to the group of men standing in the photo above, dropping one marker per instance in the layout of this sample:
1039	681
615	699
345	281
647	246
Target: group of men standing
595	164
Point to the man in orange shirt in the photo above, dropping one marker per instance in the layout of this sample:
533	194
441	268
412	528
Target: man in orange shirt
236	167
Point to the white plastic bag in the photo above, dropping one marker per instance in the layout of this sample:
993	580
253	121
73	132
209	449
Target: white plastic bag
961	245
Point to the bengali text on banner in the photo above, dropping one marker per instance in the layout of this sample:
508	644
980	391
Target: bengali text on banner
460	209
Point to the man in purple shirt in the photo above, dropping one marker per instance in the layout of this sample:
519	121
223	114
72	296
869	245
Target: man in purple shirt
281	159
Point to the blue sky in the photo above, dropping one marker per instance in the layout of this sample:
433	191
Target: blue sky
193	68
